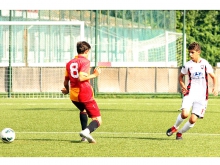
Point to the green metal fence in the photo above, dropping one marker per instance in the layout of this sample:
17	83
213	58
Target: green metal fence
125	38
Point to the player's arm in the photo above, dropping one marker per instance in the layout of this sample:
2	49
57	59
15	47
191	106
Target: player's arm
182	84
214	80
65	90
85	76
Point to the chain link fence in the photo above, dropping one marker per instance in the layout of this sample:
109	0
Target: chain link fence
140	51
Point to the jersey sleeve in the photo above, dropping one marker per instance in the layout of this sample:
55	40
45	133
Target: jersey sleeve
209	68
184	69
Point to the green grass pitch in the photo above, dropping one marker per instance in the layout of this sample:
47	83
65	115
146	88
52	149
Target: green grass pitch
131	128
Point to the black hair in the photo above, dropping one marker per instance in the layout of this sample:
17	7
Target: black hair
194	46
82	46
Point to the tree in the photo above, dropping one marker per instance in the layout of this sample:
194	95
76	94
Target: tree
202	26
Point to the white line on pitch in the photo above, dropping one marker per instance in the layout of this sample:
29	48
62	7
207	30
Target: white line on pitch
143	133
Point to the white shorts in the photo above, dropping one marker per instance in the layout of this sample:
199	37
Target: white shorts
198	105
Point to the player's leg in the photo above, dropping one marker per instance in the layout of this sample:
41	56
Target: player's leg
83	119
175	127
189	124
94	124
83	116
182	116
185	110
94	113
198	111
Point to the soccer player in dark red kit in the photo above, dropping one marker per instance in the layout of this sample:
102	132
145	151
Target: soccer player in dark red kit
76	83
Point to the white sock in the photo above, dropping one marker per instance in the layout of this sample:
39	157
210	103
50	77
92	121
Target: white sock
186	127
179	120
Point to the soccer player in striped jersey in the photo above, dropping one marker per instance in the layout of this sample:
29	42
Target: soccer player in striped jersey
76	83
195	94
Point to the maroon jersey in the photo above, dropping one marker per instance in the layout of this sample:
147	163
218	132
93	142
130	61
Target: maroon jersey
80	91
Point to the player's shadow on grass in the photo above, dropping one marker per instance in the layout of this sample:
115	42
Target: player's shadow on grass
213	112
78	141
117	110
150	138
142	138
46	109
61	140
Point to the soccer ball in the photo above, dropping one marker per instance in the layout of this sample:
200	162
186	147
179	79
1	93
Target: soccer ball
7	135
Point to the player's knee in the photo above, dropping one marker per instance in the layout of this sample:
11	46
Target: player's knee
98	119
184	114
193	118
191	124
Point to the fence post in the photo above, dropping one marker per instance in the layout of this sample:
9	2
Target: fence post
96	48
9	60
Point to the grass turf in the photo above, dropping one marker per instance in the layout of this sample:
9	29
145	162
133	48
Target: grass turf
131	128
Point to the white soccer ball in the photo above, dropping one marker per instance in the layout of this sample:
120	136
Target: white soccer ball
7	135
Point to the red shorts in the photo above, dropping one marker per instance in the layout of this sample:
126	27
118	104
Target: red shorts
91	108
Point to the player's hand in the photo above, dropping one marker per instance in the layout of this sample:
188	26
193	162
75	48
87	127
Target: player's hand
215	92
97	71
184	90
64	91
